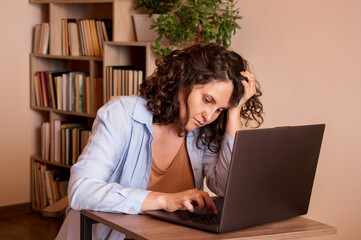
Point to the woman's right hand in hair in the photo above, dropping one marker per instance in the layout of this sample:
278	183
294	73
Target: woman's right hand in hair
249	88
234	122
185	200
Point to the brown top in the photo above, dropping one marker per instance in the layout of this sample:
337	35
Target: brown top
176	178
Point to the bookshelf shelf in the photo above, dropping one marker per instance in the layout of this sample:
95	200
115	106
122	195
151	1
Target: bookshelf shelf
82	58
121	49
47	109
38	159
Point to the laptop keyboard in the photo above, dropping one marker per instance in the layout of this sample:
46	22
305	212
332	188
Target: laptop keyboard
207	219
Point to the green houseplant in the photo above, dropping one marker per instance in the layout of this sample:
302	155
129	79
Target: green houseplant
196	21
154	6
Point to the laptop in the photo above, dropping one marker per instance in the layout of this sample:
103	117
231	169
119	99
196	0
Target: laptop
270	179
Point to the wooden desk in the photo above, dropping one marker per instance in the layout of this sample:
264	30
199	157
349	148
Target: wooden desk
146	227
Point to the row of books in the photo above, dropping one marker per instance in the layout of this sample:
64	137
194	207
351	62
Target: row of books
123	80
85	37
50	185
68	91
74	138
41	38
68	139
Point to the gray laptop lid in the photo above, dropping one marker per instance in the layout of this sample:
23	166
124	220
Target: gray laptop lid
270	178
271	175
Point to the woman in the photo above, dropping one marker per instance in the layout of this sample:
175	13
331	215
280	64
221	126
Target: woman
153	151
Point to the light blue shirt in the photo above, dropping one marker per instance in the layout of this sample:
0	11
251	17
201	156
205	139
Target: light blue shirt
112	173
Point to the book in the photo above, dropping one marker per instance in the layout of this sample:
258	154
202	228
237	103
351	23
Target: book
123	81
108	79
64	90
89	38
68	144
70	90
45	140
52	94
36	38
57	139
73	91
37	91
87	96
94	37
115	87
74	42
81	92
48	186
82	30
47	88
96	92
70	37
107	26
44	89
64	36
100	35
140	77
44	39
44	198
131	83
76	143
79	87
54	186
81	38
58	89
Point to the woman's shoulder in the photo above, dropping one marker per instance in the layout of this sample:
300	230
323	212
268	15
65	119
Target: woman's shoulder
122	104
126	109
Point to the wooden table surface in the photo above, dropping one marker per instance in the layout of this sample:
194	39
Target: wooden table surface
146	227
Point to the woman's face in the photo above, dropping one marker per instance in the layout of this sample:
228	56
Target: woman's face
205	103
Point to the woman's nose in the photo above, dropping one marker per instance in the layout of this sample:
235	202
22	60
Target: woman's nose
207	115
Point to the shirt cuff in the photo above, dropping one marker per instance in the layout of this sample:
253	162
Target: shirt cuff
134	200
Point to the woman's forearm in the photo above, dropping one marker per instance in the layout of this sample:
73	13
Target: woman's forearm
234	122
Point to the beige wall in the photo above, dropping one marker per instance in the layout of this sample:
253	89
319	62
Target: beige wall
17	122
306	55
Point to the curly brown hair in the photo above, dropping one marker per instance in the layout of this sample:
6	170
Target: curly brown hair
198	65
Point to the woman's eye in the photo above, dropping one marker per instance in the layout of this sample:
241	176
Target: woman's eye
206	100
219	110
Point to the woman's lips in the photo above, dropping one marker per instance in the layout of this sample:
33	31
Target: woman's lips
198	122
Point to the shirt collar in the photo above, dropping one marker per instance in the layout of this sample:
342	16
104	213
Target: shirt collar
142	114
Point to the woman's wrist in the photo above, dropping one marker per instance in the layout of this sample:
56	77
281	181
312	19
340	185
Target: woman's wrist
153	201
234	122
234	113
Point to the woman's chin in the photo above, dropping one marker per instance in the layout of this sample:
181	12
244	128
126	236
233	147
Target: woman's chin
191	127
